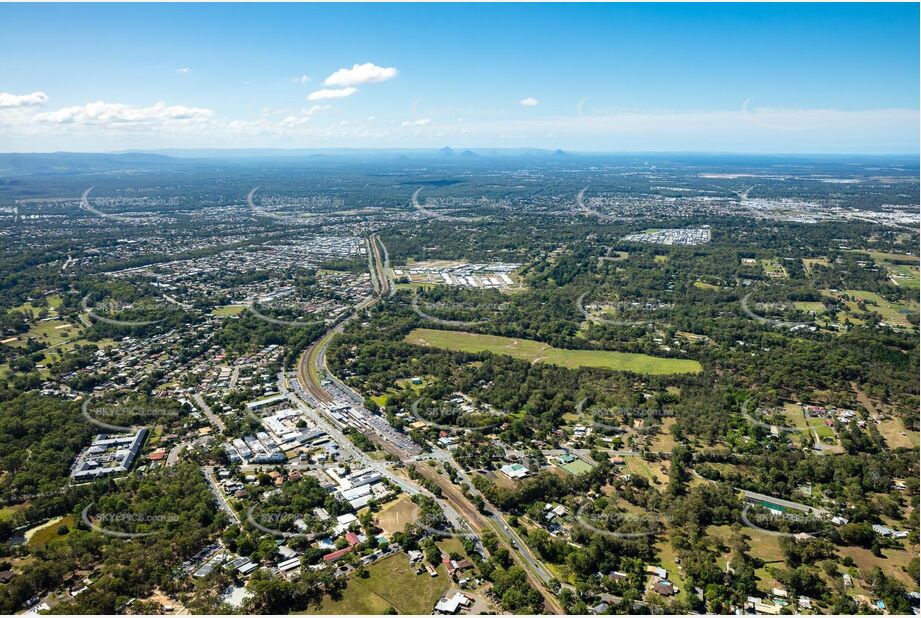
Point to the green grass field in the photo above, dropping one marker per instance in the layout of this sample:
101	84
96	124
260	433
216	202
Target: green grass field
577	467
535	351
392	583
8	512
227	310
49	333
42	535
891	312
773	269
904	276
810	306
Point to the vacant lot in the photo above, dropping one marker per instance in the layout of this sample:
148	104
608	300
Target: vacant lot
228	310
894	313
392	583
394	516
896	435
808	263
535	351
576	466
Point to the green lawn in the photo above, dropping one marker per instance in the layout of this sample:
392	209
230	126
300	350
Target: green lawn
577	467
703	285
810	306
535	351
49	333
46	533
228	310
392	583
8	512
905	276
893	313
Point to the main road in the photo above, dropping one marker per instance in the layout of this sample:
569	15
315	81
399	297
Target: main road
320	385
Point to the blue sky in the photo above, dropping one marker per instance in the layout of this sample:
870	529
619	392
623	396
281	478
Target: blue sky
614	77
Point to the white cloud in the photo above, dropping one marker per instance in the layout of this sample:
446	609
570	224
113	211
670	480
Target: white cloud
303	79
331	93
366	73
113	114
529	102
183	70
416	123
22	100
306	114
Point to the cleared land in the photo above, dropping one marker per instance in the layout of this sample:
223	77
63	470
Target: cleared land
392	582
228	310
394	516
893	313
896	435
535	351
576	467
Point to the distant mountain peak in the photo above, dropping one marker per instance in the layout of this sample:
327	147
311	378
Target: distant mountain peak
447	151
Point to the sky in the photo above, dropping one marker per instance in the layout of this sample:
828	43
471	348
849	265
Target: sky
758	78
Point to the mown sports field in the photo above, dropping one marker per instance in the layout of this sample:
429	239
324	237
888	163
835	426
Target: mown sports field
535	351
